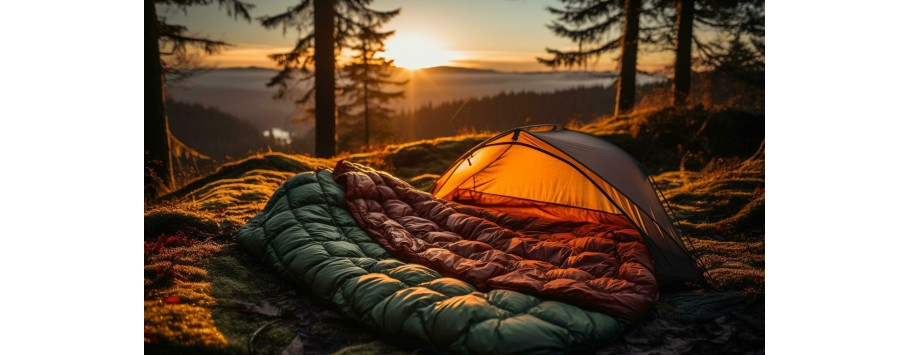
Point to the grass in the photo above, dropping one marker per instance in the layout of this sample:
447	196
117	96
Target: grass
205	295
724	203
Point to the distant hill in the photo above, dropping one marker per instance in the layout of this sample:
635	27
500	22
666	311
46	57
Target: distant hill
249	68
456	70
242	93
213	132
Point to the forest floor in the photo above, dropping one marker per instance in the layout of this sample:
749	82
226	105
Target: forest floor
203	294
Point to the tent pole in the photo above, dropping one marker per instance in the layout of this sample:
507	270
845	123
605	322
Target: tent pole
698	260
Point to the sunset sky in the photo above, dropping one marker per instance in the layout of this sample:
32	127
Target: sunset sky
497	34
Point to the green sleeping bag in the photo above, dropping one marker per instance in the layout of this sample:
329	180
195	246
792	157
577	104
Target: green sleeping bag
306	234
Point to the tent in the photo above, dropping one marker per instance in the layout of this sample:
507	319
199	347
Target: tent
548	171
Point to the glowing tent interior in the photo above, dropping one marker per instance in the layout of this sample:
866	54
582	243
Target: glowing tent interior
548	171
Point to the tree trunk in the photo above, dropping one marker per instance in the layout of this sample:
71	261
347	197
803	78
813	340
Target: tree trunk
682	75
366	101
158	166
625	95
324	13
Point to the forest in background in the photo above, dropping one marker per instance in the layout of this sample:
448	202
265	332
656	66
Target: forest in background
718	48
575	106
224	137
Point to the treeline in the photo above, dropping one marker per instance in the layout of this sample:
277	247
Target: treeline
713	89
214	133
508	110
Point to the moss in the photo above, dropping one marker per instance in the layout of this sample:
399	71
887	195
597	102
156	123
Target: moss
171	219
250	296
234	200
276	162
181	325
733	265
722	210
177	300
413	159
749	219
235	288
424	182
726	203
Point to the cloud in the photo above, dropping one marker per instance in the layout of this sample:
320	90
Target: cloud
244	55
522	61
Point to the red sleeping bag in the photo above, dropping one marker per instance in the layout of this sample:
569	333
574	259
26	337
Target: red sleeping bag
603	267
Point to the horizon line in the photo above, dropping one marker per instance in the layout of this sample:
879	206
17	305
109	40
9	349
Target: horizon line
489	70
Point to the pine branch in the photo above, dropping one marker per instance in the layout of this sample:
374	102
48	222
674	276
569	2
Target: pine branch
175	36
299	15
580	57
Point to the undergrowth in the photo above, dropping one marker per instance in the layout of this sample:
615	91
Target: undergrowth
177	291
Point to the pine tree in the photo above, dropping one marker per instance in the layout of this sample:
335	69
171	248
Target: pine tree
362	91
326	27
682	69
628	69
165	51
590	24
716	28
736	26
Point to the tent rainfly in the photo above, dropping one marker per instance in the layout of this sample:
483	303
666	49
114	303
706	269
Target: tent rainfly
559	173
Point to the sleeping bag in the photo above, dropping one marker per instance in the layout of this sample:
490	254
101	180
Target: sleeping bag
602	266
307	234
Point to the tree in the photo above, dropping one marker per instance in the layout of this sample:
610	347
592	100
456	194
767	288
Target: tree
325	28
715	27
363	81
625	97
737	26
165	50
682	69
589	24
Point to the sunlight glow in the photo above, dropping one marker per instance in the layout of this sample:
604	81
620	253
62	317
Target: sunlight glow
417	52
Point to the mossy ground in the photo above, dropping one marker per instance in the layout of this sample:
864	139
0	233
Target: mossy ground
205	295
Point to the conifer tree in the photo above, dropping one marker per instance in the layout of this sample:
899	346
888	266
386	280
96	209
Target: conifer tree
717	28
682	68
738	30
363	90
592	25
325	28
165	49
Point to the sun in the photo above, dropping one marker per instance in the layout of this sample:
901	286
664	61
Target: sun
417	52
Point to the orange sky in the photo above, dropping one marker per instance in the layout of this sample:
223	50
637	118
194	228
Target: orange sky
501	35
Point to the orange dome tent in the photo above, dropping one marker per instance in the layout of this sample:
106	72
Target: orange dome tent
558	173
